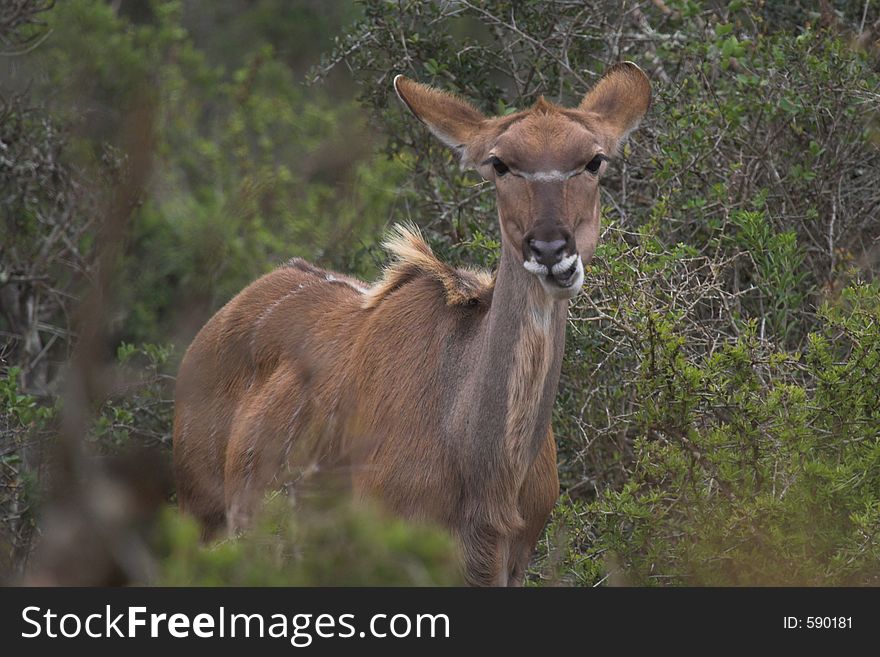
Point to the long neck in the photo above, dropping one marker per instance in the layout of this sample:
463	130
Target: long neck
516	358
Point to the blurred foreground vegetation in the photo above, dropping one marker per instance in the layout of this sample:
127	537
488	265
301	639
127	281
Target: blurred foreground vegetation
719	415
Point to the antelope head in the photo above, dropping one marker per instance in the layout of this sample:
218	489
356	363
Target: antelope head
546	163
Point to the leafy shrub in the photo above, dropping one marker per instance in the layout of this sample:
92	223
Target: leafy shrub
139	412
750	466
25	425
312	543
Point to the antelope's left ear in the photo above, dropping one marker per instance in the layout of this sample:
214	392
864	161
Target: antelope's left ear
453	121
620	98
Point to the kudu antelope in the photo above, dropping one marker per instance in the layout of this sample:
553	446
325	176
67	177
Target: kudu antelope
432	389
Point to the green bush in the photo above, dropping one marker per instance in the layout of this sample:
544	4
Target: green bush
25	425
245	158
752	466
311	543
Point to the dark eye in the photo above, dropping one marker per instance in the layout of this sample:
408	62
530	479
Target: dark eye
595	163
499	166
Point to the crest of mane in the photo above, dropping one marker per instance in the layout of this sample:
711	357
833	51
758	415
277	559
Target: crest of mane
543	106
413	259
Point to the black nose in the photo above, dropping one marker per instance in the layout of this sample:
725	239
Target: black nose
548	253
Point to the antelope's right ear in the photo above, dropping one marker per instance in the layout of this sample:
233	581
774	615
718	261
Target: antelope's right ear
453	121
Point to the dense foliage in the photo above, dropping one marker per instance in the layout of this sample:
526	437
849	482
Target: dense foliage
719	415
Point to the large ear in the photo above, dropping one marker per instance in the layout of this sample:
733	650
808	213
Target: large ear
620	98
453	121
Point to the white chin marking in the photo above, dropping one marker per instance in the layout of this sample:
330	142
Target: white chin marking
555	290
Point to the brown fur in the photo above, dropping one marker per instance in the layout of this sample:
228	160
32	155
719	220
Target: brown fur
430	390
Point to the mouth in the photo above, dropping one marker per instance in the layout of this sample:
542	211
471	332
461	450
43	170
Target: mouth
563	280
566	277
